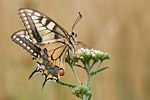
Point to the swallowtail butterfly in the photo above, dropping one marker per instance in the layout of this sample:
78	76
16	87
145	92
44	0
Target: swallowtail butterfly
46	41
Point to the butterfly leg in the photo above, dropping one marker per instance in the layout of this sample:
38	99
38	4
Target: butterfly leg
80	42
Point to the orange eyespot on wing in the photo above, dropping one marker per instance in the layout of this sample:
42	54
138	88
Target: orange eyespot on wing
61	72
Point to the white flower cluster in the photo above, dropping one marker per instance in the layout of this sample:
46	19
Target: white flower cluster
83	54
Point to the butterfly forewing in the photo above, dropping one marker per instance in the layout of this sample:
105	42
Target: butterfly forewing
41	28
23	39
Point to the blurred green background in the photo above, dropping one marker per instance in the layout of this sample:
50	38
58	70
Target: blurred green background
119	27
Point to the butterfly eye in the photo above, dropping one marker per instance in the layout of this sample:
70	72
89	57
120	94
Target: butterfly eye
73	33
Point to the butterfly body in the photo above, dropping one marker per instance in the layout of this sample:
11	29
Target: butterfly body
45	40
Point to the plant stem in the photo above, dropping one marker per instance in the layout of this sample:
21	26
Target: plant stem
87	85
92	65
67	84
98	66
95	72
72	67
88	80
84	97
88	75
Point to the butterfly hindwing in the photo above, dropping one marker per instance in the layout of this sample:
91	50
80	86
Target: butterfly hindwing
41	28
22	38
52	60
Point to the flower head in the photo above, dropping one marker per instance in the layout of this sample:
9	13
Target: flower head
86	54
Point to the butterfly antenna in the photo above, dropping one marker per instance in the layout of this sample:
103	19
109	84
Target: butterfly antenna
77	20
